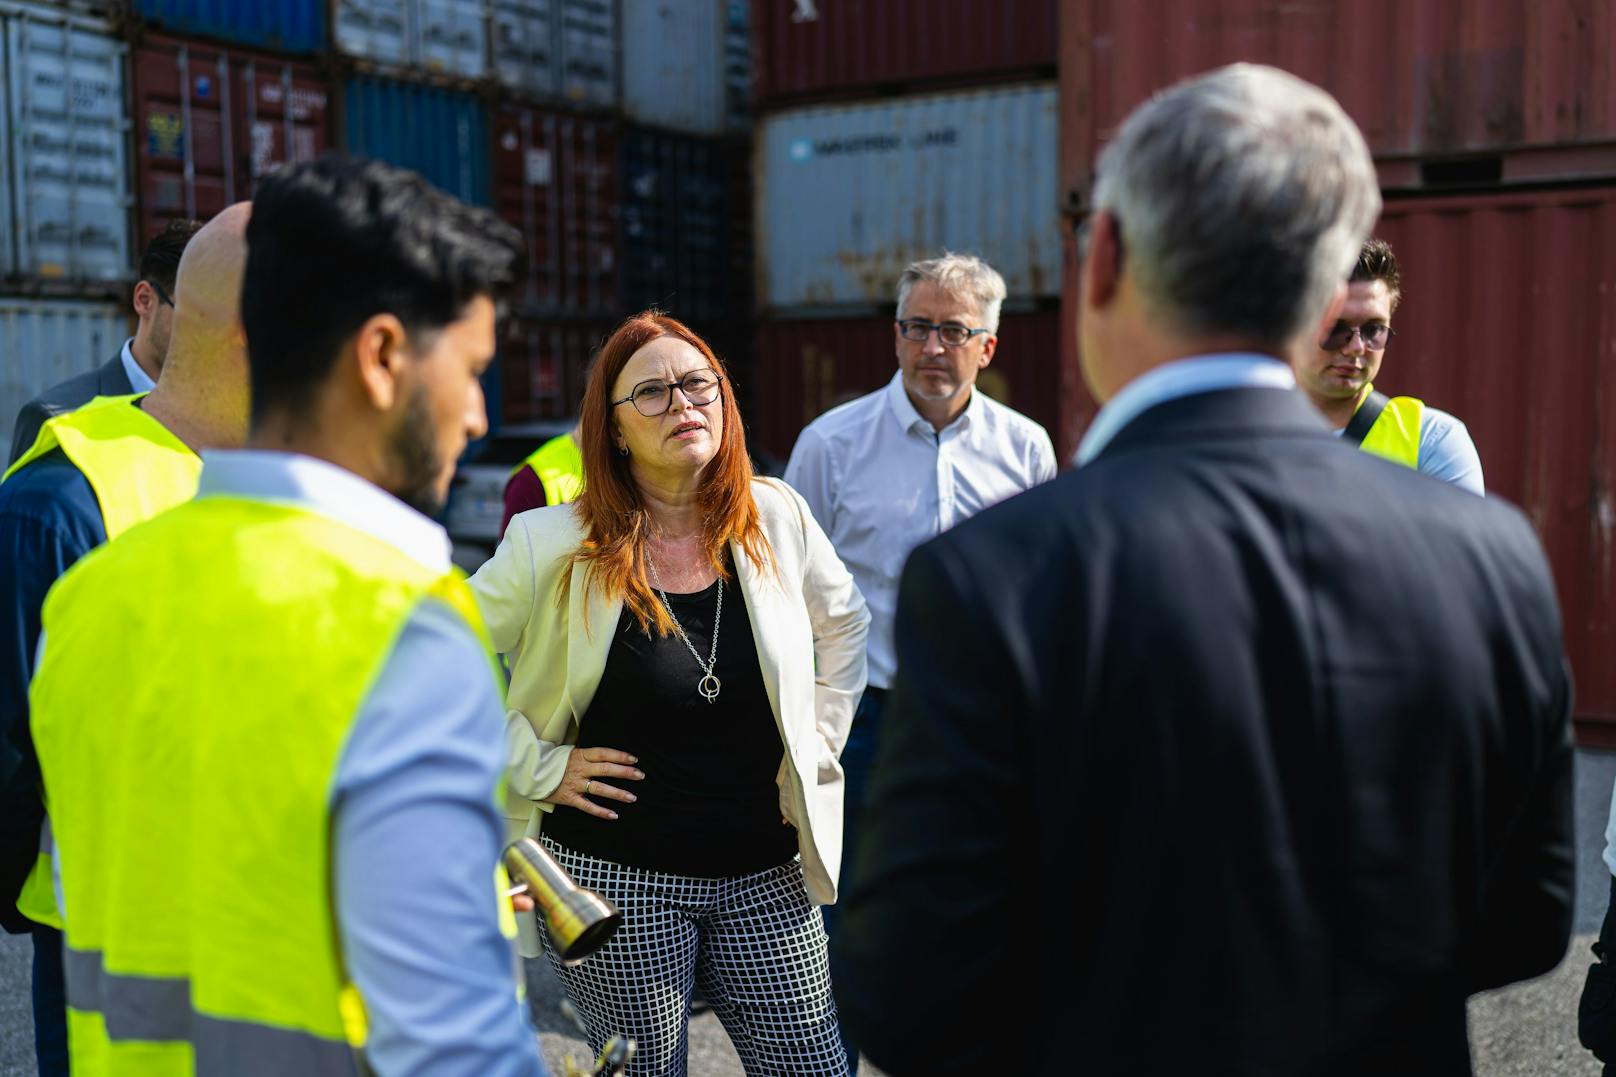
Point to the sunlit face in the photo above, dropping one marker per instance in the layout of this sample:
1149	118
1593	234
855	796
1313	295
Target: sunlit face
683	439
443	408
933	371
1342	373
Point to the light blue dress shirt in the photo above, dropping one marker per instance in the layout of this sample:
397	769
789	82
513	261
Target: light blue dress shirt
139	380
416	831
1181	377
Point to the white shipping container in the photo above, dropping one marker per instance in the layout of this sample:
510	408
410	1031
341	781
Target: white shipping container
687	65
522	41
586	36
64	122
46	341
848	195
447	37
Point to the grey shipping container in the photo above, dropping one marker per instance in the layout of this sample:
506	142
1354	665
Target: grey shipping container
45	341
64	178
444	37
687	65
848	195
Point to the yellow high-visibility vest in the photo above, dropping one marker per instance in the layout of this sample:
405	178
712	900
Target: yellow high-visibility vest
560	467
137	469
1396	433
190	781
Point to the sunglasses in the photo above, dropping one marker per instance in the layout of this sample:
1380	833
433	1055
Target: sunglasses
1375	336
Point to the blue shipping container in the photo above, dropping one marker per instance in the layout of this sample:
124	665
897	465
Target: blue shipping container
676	225
281	25
438	133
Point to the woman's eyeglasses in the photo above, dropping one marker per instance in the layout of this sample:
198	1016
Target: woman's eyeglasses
652	398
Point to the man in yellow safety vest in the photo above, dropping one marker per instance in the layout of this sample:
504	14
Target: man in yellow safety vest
553	474
89	476
1339	379
277	842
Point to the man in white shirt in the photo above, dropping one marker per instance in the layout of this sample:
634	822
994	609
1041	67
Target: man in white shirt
890	470
1339	378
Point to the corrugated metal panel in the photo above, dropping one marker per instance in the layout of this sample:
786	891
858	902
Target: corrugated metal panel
1507	321
45	341
676	225
65	175
544	364
805	367
851	194
680	60
211	121
555	178
557	49
818	48
440	134
283	25
445	37
1436	78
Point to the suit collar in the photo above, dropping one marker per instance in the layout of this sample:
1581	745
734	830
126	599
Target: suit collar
1223	413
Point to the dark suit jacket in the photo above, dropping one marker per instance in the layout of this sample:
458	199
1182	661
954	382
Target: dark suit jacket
107	380
1233	752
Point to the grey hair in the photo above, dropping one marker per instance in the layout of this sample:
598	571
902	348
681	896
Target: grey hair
964	276
1243	197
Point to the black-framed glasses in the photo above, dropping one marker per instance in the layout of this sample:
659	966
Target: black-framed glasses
951	334
162	296
652	398
1375	336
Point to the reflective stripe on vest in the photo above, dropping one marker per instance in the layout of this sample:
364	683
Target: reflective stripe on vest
1396	434
136	469
192	807
560	467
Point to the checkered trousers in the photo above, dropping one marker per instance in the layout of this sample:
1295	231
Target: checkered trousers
752	943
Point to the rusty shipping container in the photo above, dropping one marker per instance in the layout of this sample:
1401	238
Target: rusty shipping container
1446	92
555	179
806	366
1507	321
849	194
211	121
807	50
543	363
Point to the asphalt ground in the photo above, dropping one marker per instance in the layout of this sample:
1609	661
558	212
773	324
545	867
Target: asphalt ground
1526	1030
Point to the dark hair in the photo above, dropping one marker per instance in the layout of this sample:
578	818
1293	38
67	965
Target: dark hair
336	241
160	262
1377	262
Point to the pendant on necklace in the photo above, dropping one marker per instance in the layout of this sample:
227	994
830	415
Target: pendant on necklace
708	686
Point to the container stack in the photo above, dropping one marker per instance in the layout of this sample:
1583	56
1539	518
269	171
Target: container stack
889	131
65	196
615	137
1494	133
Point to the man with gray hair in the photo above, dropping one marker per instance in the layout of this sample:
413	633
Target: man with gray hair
1233	751
890	470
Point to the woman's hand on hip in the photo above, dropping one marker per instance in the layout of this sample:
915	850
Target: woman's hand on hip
586	767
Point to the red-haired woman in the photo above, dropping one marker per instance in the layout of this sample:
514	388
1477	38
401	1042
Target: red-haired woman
686	651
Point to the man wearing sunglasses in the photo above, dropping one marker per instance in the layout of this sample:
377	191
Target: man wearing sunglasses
1339	379
890	470
136	366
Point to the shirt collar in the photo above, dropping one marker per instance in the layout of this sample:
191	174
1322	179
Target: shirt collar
1181	377
139	380
903	409
329	490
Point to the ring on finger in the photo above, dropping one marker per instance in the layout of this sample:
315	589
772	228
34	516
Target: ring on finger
587	783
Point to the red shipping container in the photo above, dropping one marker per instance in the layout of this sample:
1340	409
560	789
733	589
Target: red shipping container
1507	321
805	367
555	179
543	364
804	51
210	121
1444	91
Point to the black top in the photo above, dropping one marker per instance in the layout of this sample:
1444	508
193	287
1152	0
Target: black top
708	805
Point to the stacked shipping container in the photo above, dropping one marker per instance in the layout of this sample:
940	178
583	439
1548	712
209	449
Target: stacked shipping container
1506	317
891	130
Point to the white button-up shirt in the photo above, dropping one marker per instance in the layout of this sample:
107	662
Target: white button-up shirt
139	380
881	481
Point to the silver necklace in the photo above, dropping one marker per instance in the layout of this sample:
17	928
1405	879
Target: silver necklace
709	685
